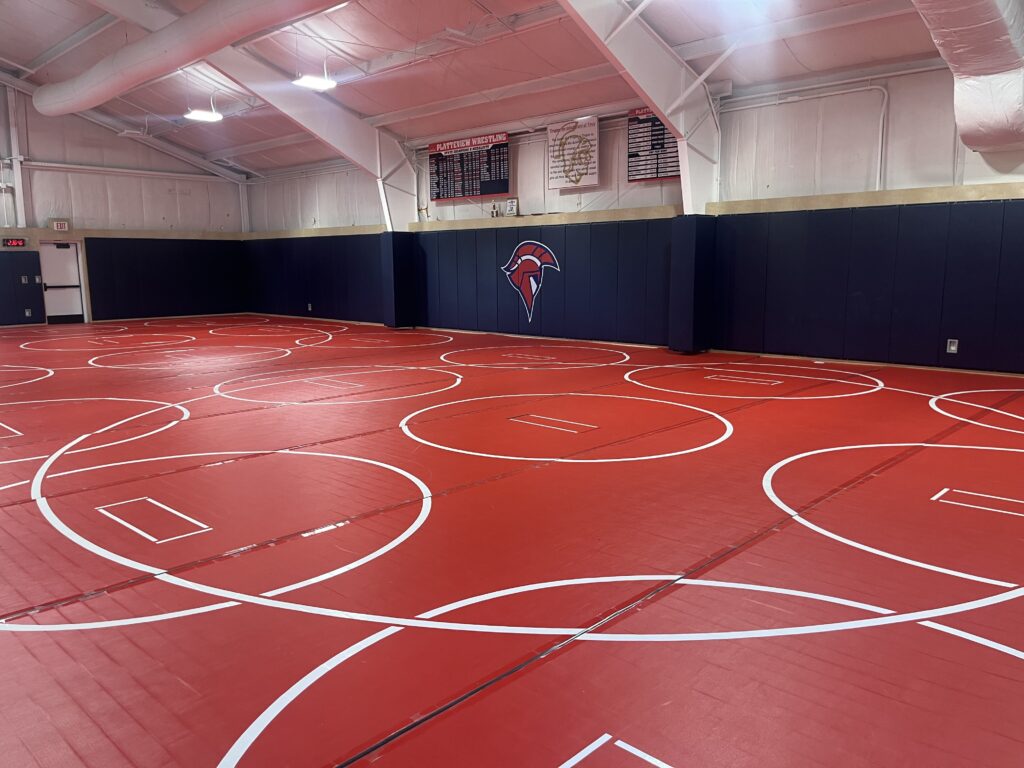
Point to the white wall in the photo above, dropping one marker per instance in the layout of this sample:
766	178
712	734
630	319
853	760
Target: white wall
316	200
528	160
814	143
151	191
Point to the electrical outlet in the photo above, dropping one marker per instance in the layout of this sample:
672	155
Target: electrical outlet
952	346
28	313
309	307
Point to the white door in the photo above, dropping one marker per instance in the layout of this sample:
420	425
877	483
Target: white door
62	283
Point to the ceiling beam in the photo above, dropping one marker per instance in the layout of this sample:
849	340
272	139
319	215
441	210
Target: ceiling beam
442	43
131	132
533	123
821	21
675	93
840	77
259	146
281	27
68	44
539	85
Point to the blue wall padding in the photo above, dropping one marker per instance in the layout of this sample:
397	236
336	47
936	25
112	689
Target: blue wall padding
611	283
740	281
874	236
15	296
155	278
971	285
886	284
400	279
919	281
1008	334
691	280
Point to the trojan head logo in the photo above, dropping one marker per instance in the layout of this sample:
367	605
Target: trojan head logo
525	270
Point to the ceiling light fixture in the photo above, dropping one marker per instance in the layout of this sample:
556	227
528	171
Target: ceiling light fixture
316	82
204	115
210	115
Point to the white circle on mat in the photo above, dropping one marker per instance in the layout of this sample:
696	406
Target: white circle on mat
112	342
258	381
526	362
727	430
935	405
47	373
866	387
767	484
191	356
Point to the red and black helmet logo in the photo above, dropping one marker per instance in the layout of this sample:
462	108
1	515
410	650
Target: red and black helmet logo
525	270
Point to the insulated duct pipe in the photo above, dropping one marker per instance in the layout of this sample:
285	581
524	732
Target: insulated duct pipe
982	41
214	25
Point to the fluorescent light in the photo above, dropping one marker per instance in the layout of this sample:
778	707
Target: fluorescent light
315	82
204	115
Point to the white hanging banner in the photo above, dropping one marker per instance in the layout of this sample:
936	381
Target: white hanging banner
572	154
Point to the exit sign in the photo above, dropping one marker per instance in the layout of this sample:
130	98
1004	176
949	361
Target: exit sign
14	242
60	225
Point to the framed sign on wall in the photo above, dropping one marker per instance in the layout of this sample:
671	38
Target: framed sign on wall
573	154
653	149
476	167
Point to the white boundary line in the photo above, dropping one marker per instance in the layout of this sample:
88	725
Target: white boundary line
12	430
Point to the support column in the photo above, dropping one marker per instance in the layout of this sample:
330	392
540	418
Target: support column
670	87
17	170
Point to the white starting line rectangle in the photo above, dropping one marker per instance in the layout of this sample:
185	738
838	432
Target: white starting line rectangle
336	383
603	739
144	508
983	501
533	419
8	432
533	358
741	380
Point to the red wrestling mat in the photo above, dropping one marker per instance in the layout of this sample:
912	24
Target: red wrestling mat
261	541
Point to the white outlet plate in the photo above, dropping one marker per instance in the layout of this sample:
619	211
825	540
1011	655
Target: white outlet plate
952	346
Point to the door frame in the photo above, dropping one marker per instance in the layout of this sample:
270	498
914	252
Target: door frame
83	287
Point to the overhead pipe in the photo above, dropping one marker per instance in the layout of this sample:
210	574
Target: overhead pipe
211	27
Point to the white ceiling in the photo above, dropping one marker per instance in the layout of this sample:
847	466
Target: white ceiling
429	68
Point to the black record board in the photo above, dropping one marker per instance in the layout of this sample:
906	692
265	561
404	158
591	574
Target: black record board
653	150
476	167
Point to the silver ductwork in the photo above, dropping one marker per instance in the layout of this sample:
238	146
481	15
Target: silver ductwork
982	42
214	25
